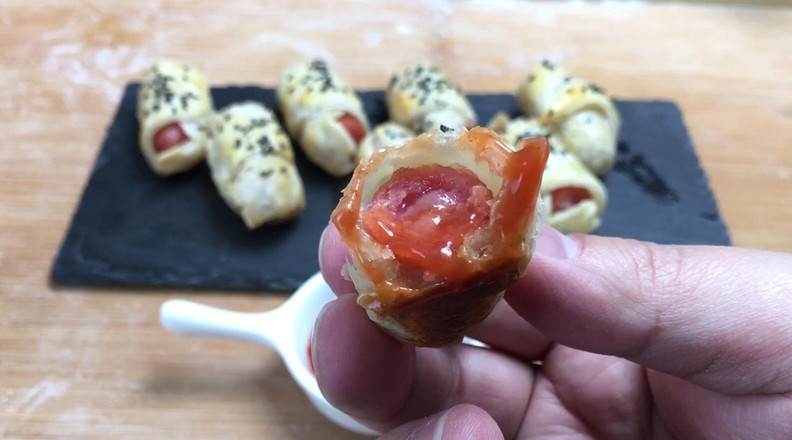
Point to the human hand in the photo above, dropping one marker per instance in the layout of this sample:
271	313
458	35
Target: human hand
635	340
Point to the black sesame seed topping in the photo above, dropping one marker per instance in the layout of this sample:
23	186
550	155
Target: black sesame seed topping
420	82
258	123
445	129
265	146
595	88
529	134
160	86
319	77
266	173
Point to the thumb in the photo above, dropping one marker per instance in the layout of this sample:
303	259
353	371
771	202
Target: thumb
457	423
716	316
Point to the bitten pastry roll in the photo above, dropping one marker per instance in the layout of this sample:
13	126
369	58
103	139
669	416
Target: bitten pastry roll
579	112
439	228
574	198
252	164
385	135
422	98
174	105
324	115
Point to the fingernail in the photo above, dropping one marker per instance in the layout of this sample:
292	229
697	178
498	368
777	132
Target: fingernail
431	429
313	346
554	244
321	248
438	431
314	336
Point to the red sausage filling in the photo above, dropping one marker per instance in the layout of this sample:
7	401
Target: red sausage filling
424	214
168	137
353	126
567	197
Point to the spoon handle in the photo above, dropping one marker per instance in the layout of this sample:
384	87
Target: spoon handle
194	319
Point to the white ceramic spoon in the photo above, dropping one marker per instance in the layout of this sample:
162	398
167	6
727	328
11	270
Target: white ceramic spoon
286	330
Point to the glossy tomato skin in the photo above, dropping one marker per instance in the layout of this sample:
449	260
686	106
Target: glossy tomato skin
423	214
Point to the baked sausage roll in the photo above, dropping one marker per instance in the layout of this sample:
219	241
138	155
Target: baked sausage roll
385	135
174	105
323	114
579	112
252	164
422	98
574	198
438	228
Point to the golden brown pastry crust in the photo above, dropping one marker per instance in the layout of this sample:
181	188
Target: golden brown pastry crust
422	98
174	92
252	165
386	135
576	111
312	97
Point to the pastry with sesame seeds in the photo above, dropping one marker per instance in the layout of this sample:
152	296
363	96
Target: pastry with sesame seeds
323	114
174	105
386	135
577	111
422	98
252	164
574	198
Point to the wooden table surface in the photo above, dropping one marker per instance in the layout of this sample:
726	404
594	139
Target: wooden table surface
94	363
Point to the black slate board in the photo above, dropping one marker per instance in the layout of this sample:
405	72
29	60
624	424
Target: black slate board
133	228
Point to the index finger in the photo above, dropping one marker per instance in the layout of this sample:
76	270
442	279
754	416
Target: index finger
716	316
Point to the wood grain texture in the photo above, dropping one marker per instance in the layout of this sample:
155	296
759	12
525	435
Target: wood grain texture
95	363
